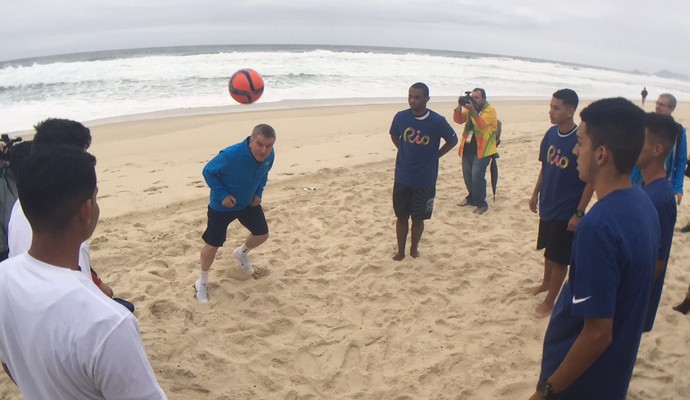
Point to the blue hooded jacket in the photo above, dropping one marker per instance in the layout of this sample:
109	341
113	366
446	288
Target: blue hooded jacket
235	171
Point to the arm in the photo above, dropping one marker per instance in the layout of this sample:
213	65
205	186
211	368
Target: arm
659	267
594	339
534	200
213	171
678	173
396	141
7	371
582	206
459	116
447	146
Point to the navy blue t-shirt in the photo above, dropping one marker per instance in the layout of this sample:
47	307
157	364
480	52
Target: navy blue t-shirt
664	199
614	251
419	141
561	188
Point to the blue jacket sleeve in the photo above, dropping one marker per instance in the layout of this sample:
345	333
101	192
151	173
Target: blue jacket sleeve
681	159
213	171
262	184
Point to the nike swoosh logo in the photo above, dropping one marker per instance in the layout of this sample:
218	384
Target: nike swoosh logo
582	300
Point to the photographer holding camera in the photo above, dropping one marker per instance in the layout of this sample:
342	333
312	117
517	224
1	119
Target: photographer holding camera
477	145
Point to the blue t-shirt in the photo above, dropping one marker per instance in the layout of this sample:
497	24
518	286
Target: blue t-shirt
419	141
614	251
561	187
664	199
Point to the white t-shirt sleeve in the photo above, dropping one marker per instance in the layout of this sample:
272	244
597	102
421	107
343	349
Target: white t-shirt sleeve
121	369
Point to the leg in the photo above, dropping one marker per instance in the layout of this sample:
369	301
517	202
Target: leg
417	230
401	229
254	241
558	273
479	181
208	254
467	163
544	286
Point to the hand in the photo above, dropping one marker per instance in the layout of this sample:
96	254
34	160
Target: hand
256	201
470	107
572	223
533	203
106	289
679	197
229	201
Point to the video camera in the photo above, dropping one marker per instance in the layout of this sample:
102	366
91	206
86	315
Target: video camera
9	142
467	98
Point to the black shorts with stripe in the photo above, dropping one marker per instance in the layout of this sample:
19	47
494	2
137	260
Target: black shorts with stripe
414	202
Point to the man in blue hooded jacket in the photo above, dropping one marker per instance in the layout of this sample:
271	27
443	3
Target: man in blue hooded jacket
237	177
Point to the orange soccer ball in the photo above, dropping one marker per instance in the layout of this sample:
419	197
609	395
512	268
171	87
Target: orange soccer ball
246	86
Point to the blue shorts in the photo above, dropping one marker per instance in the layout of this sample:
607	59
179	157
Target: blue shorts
216	232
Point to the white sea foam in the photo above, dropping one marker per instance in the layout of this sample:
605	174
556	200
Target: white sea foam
101	85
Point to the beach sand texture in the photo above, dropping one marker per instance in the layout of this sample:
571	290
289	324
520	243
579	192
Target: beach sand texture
332	316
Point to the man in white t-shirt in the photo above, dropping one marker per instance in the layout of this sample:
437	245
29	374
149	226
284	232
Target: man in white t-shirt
60	336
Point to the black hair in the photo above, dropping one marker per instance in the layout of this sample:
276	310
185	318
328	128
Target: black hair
63	132
264	130
423	86
19	153
567	96
664	128
618	125
480	90
53	183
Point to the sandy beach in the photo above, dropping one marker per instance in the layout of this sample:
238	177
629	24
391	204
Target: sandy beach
332	316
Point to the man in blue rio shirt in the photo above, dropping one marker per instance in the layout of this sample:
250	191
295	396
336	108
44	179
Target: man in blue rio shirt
237	177
416	133
594	333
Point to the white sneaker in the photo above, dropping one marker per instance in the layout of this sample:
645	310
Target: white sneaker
244	261
201	292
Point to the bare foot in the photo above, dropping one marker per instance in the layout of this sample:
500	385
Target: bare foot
414	253
537	289
543	310
398	256
683	307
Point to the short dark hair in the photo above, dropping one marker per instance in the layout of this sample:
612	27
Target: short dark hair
19	153
480	90
62	132
53	184
567	96
618	125
264	130
423	86
664	128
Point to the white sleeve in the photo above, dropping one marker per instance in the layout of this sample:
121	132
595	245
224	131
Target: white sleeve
121	369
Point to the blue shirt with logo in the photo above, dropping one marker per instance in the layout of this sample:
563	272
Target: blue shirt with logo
419	140
561	188
614	250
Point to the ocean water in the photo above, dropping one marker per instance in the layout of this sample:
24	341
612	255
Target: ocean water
91	86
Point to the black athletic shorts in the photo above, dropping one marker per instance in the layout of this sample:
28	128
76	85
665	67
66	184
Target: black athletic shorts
216	232
557	239
411	201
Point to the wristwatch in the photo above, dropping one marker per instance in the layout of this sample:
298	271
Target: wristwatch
545	391
579	213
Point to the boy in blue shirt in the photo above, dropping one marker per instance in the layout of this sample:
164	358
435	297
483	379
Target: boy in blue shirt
594	333
661	133
417	133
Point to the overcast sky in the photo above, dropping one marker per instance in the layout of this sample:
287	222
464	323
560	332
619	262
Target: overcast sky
622	34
